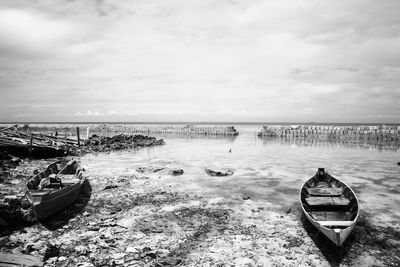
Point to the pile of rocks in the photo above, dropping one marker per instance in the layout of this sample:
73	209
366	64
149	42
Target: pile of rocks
15	209
122	141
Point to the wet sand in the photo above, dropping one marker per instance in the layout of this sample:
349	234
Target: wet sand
152	218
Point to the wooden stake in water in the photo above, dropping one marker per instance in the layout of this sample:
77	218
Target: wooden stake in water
65	140
77	136
30	146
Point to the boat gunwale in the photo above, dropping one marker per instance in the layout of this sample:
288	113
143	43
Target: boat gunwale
311	219
55	195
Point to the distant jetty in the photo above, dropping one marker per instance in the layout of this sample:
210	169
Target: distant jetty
365	133
145	129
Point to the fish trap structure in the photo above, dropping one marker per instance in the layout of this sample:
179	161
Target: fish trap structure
190	130
363	133
144	129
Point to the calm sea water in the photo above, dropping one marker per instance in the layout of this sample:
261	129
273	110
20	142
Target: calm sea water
270	171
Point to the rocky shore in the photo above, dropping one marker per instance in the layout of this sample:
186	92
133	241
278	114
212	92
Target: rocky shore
14	208
148	217
154	215
97	143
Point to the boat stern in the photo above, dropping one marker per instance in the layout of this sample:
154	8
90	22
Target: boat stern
338	240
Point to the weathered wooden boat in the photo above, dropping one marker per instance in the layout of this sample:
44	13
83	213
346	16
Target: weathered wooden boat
330	205
55	188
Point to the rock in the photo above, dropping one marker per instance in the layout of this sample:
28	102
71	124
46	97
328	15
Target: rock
85	213
51	260
110	186
398	163
118	256
288	210
246	198
62	258
218	173
149	169
51	251
176	172
29	248
119	262
131	250
93	228
81	250
169	261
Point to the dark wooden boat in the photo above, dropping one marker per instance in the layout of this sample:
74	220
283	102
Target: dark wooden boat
55	188
330	205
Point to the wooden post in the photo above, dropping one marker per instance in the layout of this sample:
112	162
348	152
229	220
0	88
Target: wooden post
30	146
77	136
87	133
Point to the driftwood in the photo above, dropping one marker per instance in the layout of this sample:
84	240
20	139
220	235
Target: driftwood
19	260
36	145
8	128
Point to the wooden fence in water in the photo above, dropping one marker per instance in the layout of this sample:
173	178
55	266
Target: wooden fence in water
378	132
145	129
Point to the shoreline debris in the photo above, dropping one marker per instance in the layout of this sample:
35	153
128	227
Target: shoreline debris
218	173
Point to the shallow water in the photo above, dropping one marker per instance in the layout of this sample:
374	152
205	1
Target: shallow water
270	171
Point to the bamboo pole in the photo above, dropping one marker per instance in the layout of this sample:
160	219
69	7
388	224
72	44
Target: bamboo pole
77	136
30	146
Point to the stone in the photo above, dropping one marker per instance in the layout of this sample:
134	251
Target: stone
81	249
51	260
218	173
93	228
118	256
131	250
110	186
51	251
62	258
176	172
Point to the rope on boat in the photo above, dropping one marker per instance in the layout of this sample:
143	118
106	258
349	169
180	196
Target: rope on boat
297	264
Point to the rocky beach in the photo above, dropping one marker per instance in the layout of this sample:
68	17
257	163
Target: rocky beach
158	212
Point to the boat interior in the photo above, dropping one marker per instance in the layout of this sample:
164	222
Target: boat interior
56	176
329	201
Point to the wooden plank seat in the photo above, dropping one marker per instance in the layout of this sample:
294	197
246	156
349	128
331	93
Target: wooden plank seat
336	223
327	201
68	179
329	207
331	215
325	193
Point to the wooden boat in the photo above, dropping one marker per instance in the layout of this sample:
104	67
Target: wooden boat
55	188
330	205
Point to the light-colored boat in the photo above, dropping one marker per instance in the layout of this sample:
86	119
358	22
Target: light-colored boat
55	188
330	205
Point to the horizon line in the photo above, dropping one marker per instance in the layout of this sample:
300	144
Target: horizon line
206	122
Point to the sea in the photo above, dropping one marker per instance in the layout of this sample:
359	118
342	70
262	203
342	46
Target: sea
270	170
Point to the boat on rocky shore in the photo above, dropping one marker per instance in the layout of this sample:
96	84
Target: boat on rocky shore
55	188
330	205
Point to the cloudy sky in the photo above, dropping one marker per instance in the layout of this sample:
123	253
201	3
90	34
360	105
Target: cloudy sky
200	60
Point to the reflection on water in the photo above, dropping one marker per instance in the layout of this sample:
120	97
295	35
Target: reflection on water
270	171
334	143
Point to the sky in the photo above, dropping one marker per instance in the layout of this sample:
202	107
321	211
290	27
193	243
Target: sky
200	60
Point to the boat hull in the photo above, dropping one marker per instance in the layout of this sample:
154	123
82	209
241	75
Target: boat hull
337	238
55	202
338	230
47	202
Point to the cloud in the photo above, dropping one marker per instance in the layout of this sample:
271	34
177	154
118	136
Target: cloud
205	60
31	32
